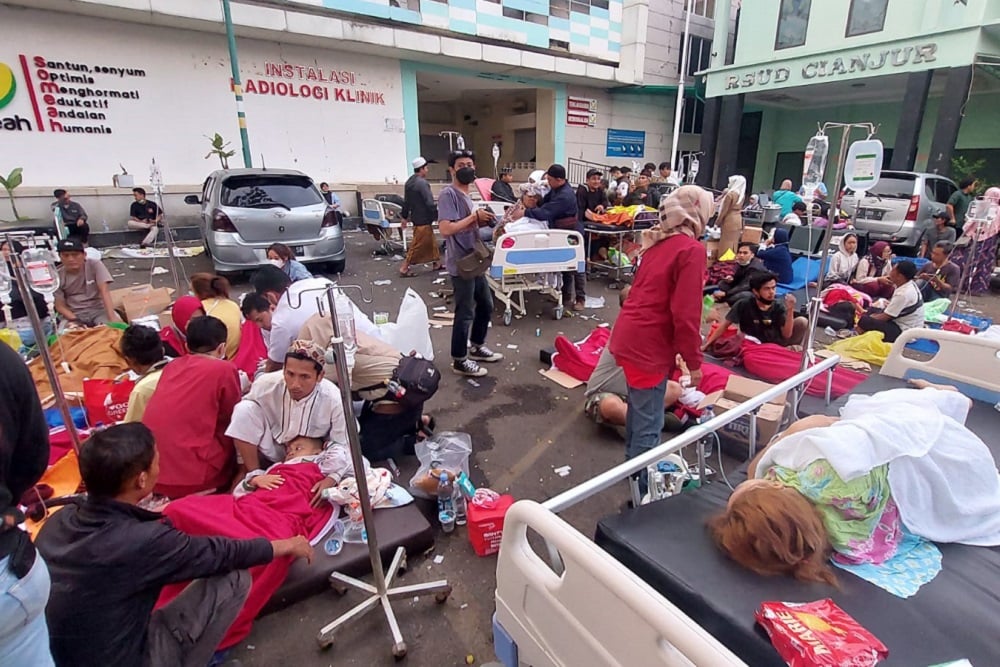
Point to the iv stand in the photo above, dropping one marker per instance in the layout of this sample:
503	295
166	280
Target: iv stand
382	592
41	342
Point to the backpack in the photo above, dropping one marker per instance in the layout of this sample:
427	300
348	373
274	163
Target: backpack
414	381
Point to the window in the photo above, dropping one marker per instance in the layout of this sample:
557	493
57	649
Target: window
866	16
260	191
692	115
704	8
699	57
793	19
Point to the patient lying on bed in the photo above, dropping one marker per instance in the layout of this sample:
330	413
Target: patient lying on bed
896	464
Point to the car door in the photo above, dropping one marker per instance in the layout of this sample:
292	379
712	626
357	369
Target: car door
206	205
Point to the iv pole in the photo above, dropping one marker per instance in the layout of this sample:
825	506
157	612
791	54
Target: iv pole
382	593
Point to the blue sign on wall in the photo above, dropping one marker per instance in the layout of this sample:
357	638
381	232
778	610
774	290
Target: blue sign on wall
626	143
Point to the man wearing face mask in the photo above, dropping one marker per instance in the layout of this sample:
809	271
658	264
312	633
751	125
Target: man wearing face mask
459	222
737	286
190	411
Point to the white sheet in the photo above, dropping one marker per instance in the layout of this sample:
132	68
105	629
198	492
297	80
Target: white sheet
943	477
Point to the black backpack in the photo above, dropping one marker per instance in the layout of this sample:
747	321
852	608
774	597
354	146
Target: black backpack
414	381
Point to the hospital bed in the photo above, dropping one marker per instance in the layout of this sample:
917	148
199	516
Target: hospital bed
668	547
383	220
522	260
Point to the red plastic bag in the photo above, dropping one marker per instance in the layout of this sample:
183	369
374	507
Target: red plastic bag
106	401
958	326
813	634
486	524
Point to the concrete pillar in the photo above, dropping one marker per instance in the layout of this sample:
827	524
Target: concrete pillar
709	141
545	133
949	120
911	119
730	122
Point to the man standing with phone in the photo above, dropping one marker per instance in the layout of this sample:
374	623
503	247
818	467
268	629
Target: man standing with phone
459	222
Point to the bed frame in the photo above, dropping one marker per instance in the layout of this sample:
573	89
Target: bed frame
971	363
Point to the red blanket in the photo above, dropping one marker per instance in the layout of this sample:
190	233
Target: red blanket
276	514
579	360
773	363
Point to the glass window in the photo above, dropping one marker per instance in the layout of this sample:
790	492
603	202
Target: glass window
793	19
866	16
699	57
277	191
704	8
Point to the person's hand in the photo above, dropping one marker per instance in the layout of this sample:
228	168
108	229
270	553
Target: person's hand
696	377
267	482
403	222
719	294
728	279
296	547
600	209
81	222
790	301
704	348
318	488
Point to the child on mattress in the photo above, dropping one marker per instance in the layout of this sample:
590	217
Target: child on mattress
895	466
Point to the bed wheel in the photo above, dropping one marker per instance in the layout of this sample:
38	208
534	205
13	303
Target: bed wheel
442	596
324	642
558	312
507	317
338	588
399	651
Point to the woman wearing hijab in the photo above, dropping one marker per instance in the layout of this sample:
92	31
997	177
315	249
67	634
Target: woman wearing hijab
18	313
844	262
174	337
730	219
776	256
662	316
872	274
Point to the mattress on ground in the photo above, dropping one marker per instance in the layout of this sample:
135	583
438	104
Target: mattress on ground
667	545
402	526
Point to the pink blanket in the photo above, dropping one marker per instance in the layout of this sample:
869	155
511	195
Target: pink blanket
773	363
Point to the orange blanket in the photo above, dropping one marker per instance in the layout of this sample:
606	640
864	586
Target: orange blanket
90	353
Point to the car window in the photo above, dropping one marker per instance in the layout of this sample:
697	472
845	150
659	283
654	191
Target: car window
944	190
274	191
897	186
204	189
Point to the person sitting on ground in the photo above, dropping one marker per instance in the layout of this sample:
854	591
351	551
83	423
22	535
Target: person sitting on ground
737	286
332	201
190	411
904	311
281	256
872	274
73	216
855	487
794	217
213	291
763	317
143	350
785	197
939	231
940	276
145	216
844	262
501	190
776	256
100	615
174	336
282	406
83	297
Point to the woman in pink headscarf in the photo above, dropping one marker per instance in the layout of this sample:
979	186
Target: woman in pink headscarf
174	337
662	316
984	228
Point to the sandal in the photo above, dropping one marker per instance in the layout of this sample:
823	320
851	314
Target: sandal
407	274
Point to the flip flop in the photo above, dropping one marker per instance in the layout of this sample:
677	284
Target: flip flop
408	274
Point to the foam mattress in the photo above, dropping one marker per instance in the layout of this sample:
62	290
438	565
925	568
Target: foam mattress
667	545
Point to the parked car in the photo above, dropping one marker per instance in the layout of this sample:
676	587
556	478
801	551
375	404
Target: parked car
899	208
243	211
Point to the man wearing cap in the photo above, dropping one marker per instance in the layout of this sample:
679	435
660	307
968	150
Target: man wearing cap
559	209
83	296
420	210
501	190
299	401
938	232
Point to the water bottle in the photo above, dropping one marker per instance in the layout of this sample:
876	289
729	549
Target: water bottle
355	531
446	502
104	226
345	320
707	415
461	512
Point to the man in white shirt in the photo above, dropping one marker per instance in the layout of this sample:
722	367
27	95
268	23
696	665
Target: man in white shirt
905	309
280	407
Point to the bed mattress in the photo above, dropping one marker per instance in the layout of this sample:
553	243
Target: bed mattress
667	545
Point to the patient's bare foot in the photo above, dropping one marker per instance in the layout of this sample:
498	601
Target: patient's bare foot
920	383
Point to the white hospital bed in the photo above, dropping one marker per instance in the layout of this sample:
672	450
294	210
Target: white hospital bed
970	363
521	260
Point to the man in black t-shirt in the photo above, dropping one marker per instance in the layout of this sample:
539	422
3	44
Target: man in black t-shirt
145	215
760	315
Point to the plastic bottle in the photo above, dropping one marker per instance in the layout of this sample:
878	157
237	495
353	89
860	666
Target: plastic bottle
345	320
461	511
354	530
104	226
446	502
707	415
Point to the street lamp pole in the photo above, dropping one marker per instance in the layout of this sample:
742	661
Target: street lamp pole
237	86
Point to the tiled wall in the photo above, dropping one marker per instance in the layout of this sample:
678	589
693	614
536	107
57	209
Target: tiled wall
584	27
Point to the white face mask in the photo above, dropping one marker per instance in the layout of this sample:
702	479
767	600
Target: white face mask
280	263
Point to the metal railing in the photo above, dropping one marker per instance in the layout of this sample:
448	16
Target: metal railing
576	170
691	436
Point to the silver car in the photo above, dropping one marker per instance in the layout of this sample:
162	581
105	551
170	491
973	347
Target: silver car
899	208
243	211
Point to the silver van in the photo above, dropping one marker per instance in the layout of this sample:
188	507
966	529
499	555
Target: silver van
243	211
899	208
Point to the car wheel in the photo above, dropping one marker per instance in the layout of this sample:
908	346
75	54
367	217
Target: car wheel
336	267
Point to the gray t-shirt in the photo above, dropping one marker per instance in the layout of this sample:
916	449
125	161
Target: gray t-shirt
933	236
453	204
608	377
81	290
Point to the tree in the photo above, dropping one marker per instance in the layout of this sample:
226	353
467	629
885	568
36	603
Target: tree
219	146
12	181
962	167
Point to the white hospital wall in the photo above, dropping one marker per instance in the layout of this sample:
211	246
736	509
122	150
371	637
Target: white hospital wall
184	96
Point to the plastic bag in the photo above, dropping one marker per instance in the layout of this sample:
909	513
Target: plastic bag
106	401
12	338
411	330
869	347
813	634
446	451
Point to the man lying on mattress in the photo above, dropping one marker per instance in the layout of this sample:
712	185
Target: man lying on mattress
870	490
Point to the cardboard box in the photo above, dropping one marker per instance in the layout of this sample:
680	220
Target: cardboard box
769	416
711	252
141	300
752	234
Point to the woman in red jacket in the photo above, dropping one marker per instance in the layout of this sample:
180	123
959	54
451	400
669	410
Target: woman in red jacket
662	316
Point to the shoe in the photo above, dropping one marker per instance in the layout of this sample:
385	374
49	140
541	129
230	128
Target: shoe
579	306
468	367
483	353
